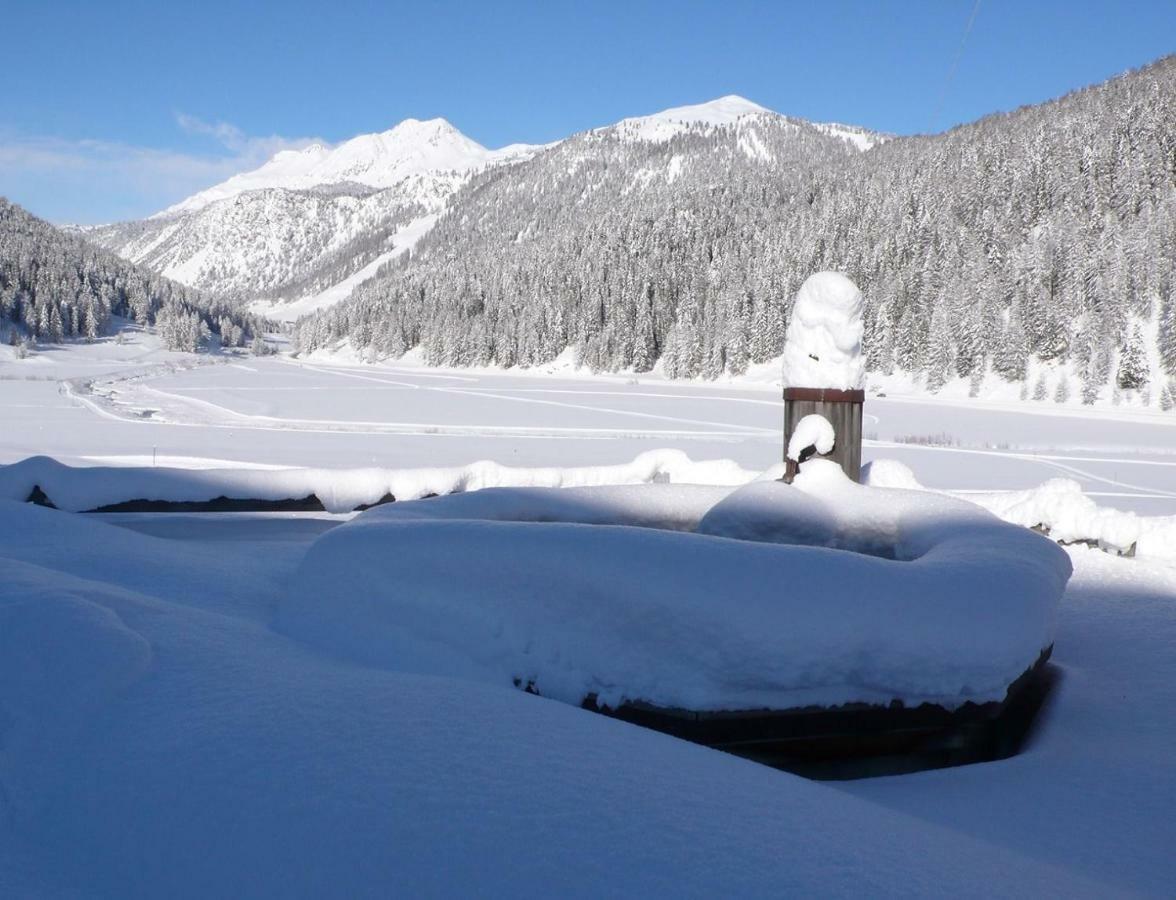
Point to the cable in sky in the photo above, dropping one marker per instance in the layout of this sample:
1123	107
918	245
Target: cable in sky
955	64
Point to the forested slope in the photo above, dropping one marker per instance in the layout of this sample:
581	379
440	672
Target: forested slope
56	285
1048	233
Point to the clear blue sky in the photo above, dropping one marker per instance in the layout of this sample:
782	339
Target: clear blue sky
115	109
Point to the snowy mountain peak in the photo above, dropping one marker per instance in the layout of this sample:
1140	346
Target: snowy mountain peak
380	160
722	111
661	126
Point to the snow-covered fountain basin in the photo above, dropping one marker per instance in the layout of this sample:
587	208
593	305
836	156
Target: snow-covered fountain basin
693	600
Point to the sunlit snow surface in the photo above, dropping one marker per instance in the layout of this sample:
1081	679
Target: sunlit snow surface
838	594
159	738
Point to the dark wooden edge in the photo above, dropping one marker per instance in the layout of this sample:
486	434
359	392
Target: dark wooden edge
309	503
819	395
857	740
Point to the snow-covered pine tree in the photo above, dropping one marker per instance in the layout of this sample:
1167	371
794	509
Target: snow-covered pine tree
1133	369
1062	394
1168	397
1040	389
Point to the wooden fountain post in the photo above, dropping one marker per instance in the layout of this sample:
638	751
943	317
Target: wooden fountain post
843	409
824	370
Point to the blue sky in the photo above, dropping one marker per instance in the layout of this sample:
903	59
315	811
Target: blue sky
113	110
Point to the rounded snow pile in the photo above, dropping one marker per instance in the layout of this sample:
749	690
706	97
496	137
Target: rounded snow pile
834	593
823	347
811	431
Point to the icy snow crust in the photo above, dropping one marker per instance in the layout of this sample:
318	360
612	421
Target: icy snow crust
823	345
512	587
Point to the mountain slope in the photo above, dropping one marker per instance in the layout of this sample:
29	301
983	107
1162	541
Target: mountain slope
1029	244
381	160
56	285
305	223
730	110
307	219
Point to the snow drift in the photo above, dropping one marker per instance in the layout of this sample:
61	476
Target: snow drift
1060	509
79	489
151	747
965	604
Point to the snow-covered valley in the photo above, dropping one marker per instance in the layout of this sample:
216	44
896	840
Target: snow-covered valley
477	451
130	403
151	707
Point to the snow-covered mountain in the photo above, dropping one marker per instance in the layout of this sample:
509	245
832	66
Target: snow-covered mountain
309	219
302	230
1031	248
56	285
383	160
725	112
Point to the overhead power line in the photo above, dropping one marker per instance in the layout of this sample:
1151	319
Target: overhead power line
955	64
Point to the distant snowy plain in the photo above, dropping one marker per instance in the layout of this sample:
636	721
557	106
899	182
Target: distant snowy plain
131	403
160	738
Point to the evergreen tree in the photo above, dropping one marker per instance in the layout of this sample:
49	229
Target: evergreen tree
1062	394
1133	372
1040	390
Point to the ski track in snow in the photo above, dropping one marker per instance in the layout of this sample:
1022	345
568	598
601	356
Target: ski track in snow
209	414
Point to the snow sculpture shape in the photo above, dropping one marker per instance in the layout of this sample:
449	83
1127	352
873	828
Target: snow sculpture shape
823	347
811	431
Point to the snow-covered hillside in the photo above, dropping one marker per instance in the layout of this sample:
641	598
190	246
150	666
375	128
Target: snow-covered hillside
283	242
731	110
1029	250
381	160
309	219
310	225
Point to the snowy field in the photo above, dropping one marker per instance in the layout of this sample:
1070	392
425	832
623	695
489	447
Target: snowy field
159	736
132	403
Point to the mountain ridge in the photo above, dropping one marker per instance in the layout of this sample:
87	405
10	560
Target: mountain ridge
1034	247
278	230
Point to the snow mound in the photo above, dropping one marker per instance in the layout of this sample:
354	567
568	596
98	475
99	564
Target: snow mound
773	512
1060	509
61	655
673	507
691	620
890	473
823	345
811	431
339	490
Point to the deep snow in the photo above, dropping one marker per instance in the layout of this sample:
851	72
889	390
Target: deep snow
561	592
170	742
173	744
131	404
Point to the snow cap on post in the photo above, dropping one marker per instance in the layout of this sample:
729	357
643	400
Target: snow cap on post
823	347
811	431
